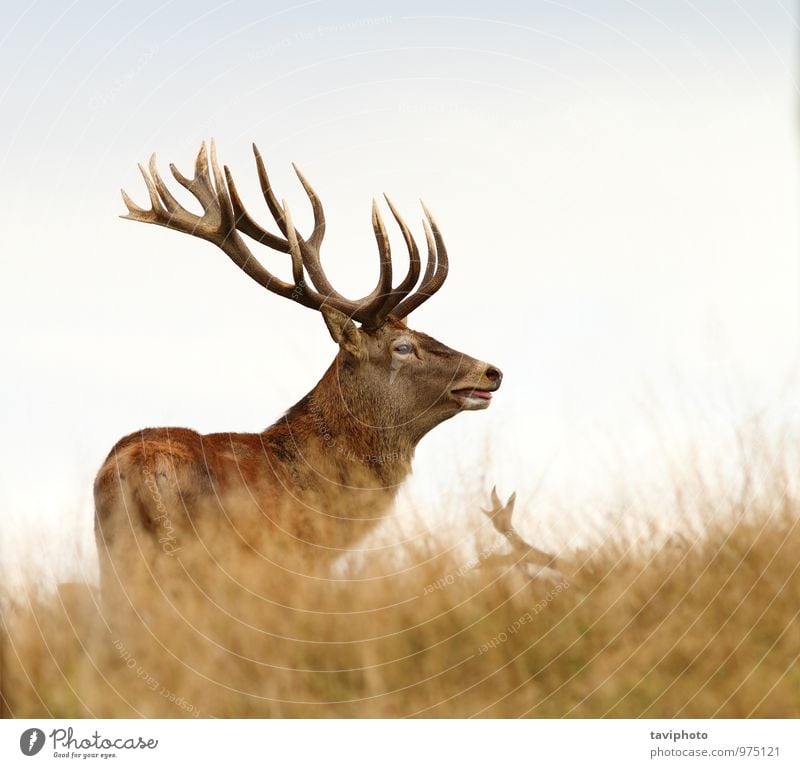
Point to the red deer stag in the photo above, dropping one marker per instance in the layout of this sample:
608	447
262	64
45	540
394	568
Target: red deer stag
326	472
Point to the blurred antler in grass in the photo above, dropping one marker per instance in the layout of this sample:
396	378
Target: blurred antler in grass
522	555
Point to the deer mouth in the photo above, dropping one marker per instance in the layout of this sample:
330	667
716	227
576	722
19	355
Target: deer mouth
472	399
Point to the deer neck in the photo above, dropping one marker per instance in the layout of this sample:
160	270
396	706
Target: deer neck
344	437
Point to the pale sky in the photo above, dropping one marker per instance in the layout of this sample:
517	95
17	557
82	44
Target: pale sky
616	182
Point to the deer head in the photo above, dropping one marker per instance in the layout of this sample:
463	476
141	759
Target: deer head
388	376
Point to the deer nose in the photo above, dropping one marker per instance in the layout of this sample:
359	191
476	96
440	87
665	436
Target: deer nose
495	375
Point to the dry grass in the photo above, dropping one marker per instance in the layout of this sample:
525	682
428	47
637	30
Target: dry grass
703	625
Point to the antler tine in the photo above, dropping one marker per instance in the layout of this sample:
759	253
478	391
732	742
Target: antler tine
404	308
200	186
319	214
170	203
443	267
266	190
412	275
431	265
201	174
155	201
410	280
435	271
245	222
222	200
294	248
501	515
310	247
381	294
136	212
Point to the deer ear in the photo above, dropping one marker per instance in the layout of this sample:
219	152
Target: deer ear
343	331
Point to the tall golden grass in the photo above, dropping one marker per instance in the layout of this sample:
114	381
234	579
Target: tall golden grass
701	623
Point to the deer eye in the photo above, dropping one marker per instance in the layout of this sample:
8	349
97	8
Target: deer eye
404	349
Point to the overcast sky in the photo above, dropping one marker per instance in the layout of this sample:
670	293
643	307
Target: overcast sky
616	182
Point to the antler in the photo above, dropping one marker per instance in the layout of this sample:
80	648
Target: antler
224	217
521	551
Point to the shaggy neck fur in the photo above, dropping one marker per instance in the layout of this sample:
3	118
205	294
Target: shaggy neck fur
335	438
